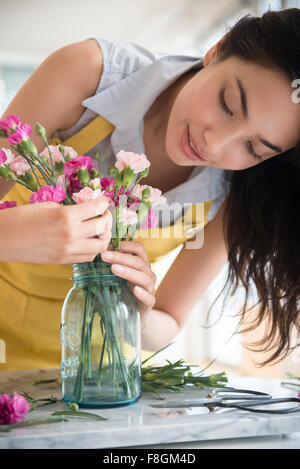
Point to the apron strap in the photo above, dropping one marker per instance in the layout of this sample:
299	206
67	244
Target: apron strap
88	137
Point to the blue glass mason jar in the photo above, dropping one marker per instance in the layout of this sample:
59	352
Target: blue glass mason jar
100	339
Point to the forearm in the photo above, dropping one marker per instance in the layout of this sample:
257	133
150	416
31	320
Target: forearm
158	330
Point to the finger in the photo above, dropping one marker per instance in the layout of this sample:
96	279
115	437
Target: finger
135	276
124	259
89	246
89	209
145	297
96	226
134	247
79	258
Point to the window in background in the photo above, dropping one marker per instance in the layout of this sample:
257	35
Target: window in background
264	5
12	77
291	3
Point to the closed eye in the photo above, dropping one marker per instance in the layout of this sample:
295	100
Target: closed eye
223	103
228	111
252	152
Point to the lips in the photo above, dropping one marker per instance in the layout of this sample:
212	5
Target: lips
189	147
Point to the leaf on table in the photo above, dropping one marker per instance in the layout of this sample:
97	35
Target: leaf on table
30	422
78	414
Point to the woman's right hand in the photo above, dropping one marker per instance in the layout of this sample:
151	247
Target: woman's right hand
49	233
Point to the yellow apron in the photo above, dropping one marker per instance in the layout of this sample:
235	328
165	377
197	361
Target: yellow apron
31	295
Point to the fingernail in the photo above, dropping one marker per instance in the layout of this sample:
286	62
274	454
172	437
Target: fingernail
119	268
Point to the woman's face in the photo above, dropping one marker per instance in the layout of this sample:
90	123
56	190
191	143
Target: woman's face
235	113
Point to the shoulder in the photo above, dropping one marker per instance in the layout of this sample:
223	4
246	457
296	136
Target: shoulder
120	59
81	63
124	55
68	76
53	94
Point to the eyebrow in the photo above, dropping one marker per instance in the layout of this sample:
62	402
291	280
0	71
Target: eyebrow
244	104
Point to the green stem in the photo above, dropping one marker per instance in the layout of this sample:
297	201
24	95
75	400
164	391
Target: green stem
80	375
32	164
112	336
101	361
19	181
51	159
134	230
37	421
89	323
291	384
79	414
45	168
125	328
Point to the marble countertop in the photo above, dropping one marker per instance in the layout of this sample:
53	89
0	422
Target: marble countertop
140	424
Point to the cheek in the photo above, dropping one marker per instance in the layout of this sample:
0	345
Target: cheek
236	161
176	125
203	103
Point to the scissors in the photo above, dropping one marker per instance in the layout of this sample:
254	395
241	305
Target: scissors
232	398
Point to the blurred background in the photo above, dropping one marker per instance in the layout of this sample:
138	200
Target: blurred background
30	30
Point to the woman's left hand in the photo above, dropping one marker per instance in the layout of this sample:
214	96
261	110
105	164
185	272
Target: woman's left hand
133	259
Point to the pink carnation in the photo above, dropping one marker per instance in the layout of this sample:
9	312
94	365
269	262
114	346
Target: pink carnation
150	221
60	180
134	205
3	157
107	184
120	193
56	154
75	164
110	195
12	122
22	133
154	197
95	183
137	192
48	194
128	216
8	154
13	408
74	185
8	204
19	166
86	194
137	162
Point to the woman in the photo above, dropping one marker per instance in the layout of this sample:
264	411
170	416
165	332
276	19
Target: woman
224	130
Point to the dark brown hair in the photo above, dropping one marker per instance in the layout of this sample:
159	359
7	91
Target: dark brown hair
262	216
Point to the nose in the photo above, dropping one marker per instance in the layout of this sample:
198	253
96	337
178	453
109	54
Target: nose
217	139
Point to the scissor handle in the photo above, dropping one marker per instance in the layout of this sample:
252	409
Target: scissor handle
248	405
259	394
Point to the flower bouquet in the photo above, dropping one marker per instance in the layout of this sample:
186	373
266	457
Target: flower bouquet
100	332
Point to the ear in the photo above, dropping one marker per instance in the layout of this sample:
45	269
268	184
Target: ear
211	53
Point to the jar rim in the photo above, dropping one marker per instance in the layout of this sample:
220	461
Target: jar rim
93	270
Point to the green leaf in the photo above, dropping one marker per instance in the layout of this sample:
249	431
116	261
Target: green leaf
290	384
47	381
37	421
176	375
291	376
33	400
148	388
71	413
149	358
